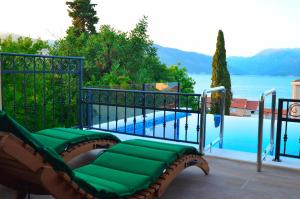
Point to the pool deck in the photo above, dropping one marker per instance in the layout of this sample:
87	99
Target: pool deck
228	179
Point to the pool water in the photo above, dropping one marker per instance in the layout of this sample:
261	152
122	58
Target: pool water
240	133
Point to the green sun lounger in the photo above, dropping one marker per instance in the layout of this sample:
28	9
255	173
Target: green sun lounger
131	169
67	142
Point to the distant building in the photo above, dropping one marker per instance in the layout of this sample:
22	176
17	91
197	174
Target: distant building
296	89
243	107
296	95
240	107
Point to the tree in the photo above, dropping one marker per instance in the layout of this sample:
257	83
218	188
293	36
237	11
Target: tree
22	45
115	58
220	76
180	75
84	15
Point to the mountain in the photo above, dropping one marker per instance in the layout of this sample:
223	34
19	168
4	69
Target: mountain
266	62
194	62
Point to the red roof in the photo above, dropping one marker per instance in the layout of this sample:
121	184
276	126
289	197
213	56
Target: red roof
252	105
239	103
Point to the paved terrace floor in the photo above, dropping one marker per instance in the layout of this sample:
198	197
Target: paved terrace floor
227	180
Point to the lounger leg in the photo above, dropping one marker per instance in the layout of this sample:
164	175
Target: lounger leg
203	164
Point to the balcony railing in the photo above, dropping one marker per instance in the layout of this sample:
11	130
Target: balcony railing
133	111
41	91
284	141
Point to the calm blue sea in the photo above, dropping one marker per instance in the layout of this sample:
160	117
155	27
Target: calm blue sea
250	86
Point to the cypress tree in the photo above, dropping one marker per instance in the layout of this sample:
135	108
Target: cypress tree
220	76
83	15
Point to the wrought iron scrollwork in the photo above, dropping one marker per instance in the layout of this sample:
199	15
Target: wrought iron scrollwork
294	110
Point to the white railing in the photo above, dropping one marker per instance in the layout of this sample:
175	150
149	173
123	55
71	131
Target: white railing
202	136
270	148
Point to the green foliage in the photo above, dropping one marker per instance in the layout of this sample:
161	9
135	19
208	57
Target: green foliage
220	76
180	75
83	15
42	92
116	58
22	45
112	58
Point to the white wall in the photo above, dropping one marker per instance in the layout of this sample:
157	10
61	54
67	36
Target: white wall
296	90
296	94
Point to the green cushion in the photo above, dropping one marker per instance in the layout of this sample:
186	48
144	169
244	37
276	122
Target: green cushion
123	183
144	152
128	167
7	124
48	141
177	148
131	164
60	139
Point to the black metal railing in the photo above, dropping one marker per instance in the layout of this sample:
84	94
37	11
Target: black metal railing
41	91
171	116
288	114
161	86
134	111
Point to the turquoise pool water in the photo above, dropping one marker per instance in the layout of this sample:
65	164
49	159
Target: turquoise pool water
240	133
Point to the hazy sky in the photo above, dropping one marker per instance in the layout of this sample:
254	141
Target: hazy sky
249	26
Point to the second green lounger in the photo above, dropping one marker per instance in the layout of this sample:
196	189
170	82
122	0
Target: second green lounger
131	169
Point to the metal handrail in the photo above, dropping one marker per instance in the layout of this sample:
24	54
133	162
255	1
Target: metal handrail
270	147
39	55
211	144
222	90
140	91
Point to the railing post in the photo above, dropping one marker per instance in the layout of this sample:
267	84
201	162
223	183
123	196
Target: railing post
144	101
279	125
1	107
260	132
222	112
80	94
203	117
273	122
178	97
89	108
202	122
261	125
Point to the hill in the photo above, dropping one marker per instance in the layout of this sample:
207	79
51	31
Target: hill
194	62
266	62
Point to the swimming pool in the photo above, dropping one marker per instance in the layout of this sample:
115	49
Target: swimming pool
240	133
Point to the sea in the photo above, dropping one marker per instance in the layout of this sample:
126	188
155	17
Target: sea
250	86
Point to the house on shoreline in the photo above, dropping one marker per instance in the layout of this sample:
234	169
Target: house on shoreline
243	107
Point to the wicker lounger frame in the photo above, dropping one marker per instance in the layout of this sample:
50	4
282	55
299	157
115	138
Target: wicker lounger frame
25	170
83	147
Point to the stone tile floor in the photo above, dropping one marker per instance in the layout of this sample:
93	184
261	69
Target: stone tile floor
228	180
